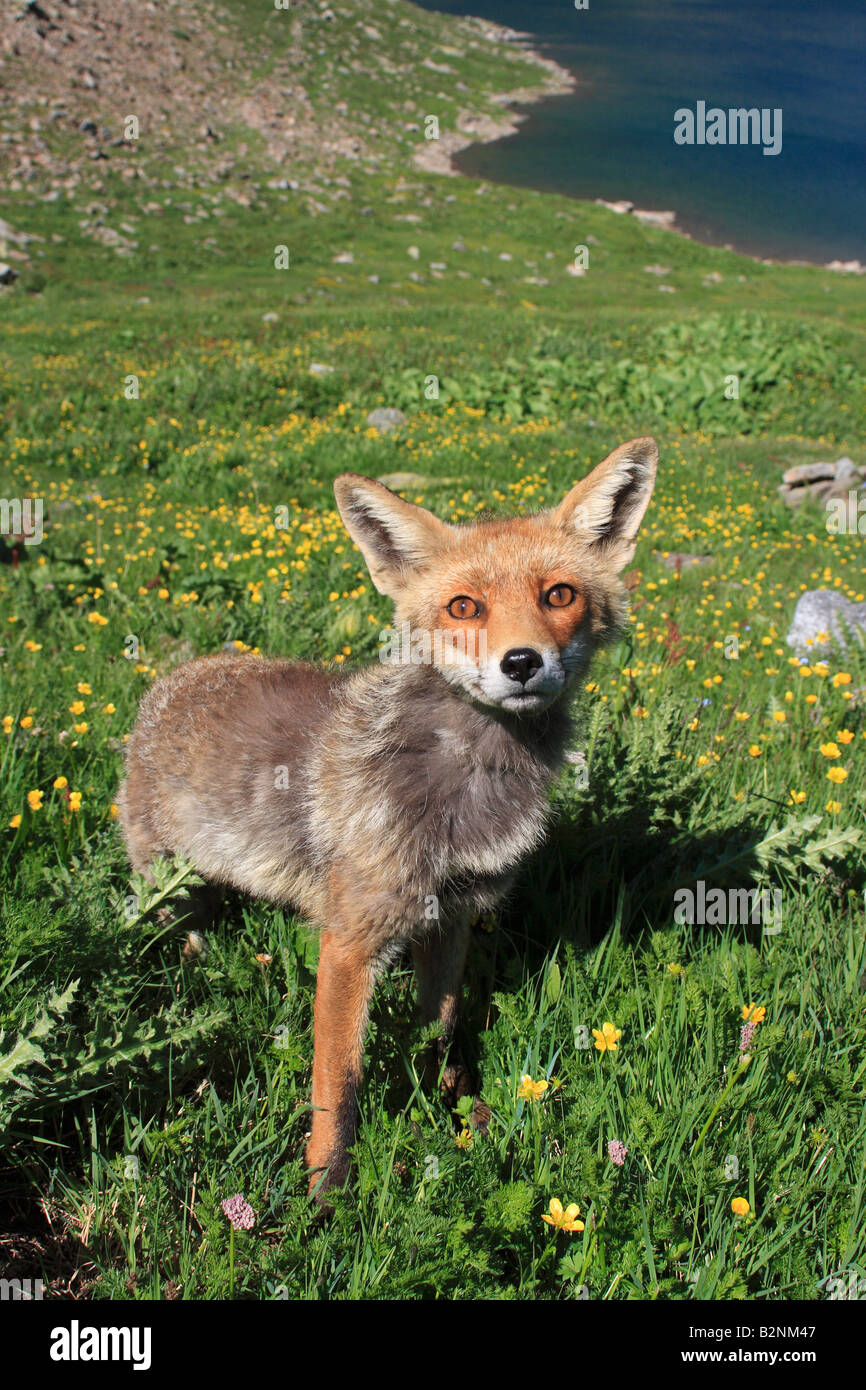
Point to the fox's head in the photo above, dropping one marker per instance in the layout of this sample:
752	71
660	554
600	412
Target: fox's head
510	611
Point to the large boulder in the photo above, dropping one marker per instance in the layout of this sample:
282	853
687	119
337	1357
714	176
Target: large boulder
824	618
816	482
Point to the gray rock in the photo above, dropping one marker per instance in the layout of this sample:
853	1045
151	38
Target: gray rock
320	369
621	206
832	615
386	418
809	472
820	481
847	472
17	238
651	218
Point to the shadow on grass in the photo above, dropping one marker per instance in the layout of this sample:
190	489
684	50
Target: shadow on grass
584	882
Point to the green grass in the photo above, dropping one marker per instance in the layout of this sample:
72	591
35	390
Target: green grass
139	1089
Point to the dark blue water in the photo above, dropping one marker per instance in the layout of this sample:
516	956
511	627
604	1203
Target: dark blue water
637	61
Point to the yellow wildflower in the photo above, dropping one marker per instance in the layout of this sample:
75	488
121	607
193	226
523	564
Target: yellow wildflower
563	1220
531	1090
606	1037
753	1013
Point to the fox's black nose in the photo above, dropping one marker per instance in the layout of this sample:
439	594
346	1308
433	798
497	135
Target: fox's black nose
520	664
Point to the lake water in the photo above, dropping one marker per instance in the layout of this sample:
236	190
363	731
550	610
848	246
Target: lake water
638	61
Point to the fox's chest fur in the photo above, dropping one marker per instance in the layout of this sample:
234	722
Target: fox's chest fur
427	794
277	779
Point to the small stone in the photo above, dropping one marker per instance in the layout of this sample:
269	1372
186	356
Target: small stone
320	369
622	206
847	472
270	317
385	419
651	218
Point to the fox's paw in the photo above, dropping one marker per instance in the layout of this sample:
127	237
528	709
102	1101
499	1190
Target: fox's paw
326	1176
480	1116
456	1082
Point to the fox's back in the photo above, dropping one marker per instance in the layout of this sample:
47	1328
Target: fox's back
213	743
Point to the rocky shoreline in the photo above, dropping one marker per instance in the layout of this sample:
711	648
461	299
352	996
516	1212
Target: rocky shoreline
72	70
668	220
438	155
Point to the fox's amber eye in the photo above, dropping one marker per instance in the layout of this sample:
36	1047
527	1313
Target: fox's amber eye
561	596
464	607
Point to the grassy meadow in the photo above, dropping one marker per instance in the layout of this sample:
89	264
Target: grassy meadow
185	454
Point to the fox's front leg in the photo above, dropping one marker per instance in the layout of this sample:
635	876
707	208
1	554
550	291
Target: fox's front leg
343	990
439	963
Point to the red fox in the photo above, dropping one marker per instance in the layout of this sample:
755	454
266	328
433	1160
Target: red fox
393	805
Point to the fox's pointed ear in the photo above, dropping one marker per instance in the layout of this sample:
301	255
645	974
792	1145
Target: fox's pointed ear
392	535
606	507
